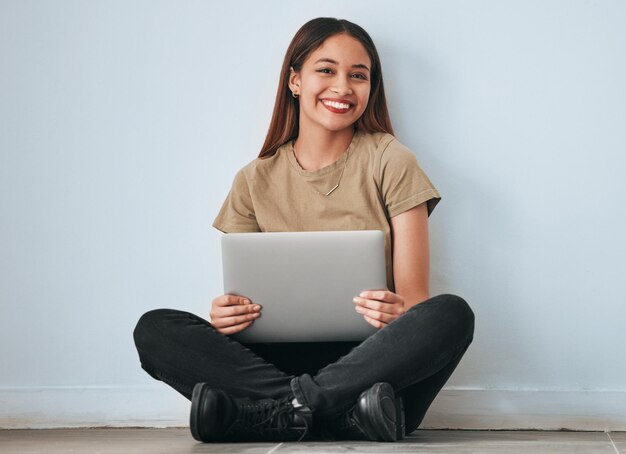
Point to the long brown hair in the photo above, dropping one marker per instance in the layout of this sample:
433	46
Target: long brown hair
285	119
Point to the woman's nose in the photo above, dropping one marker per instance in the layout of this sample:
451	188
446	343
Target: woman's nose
341	87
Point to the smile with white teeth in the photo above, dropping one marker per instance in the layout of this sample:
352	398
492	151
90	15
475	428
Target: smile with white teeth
335	104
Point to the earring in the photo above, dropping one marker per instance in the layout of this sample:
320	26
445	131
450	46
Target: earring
294	94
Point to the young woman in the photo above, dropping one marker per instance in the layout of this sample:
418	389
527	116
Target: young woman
329	162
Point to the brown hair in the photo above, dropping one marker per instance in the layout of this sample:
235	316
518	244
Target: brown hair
285	118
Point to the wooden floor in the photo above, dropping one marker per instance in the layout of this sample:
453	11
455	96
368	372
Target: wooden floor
175	440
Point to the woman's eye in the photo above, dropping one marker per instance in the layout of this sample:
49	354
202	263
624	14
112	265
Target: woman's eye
324	70
360	76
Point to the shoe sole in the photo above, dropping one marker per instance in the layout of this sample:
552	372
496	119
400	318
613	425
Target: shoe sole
196	398
383	423
400	423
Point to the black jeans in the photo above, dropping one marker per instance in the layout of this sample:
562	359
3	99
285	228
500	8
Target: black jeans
416	354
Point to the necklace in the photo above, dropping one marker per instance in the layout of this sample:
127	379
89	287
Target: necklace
293	149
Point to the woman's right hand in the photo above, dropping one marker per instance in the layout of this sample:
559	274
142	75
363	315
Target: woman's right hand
231	313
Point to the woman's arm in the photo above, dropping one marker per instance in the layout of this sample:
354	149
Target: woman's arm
411	256
410	270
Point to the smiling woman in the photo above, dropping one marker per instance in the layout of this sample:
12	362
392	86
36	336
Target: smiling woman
333	87
309	40
329	162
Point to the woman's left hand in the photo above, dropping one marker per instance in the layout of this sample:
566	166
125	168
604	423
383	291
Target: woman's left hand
379	307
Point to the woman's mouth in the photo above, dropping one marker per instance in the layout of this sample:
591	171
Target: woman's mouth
336	106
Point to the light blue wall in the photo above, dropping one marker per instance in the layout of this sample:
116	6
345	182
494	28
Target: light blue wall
123	123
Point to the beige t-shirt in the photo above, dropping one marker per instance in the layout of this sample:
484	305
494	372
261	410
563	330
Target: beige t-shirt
381	179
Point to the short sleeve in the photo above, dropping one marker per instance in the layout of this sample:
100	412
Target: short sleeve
237	212
403	183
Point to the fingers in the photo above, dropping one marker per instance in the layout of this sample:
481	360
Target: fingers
234	329
382	295
379	307
378	316
232	313
223	322
375	323
231	305
230	300
395	308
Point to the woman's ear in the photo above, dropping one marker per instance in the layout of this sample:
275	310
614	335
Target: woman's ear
294	81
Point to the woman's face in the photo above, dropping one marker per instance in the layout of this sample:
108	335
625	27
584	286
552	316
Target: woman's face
333	84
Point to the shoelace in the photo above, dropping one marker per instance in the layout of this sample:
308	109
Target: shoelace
261	417
343	423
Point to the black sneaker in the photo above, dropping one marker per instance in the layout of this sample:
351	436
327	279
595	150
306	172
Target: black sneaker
217	416
377	416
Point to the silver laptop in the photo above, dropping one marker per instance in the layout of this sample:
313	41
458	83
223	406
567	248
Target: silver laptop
305	282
